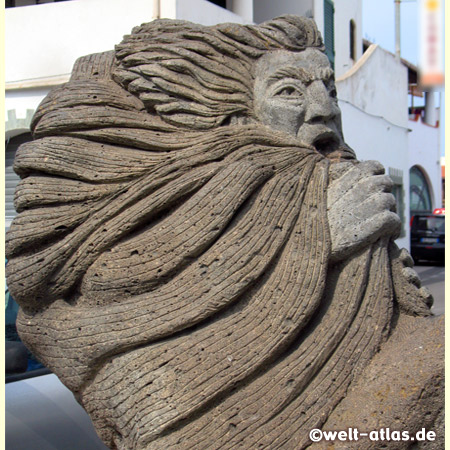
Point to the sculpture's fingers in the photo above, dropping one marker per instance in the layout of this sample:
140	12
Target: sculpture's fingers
357	172
377	184
375	203
386	223
353	233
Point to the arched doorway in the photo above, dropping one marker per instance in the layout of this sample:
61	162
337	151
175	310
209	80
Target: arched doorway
420	199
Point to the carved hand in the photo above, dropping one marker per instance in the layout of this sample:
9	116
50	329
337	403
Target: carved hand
360	207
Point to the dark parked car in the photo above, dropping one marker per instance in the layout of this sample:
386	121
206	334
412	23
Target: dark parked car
428	237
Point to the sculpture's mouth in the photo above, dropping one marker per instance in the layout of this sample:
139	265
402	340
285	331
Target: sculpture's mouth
325	142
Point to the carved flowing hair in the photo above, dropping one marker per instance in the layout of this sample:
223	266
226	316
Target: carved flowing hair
173	97
199	77
170	254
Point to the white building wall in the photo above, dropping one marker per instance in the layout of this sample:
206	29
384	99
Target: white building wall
373	100
243	8
45	40
377	84
205	13
372	138
318	15
344	12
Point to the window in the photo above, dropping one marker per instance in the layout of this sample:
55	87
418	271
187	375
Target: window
399	193
352	40
17	3
329	30
431	223
222	3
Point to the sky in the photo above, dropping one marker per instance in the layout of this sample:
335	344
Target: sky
379	27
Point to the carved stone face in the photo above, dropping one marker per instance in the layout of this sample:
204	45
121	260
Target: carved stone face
295	93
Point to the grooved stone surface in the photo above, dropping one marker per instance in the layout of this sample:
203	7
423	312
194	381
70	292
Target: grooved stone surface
202	260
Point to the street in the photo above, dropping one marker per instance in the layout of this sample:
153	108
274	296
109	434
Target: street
433	277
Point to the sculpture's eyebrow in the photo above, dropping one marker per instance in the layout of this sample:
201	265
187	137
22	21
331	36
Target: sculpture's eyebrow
301	74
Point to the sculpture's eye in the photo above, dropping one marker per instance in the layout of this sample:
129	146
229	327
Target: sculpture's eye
288	91
333	92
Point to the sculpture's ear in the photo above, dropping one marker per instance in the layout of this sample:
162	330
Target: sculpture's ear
96	66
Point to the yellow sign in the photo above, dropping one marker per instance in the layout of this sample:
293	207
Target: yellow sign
432	5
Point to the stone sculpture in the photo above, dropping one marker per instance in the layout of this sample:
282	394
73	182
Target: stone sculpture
202	260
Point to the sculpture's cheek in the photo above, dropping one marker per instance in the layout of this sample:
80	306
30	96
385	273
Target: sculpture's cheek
281	115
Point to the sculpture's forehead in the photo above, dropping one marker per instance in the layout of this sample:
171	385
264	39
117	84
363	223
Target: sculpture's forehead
311	60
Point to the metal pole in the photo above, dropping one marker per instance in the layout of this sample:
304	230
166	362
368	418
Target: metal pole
397	28
156	9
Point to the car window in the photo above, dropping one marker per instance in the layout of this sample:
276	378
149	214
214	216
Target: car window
431	224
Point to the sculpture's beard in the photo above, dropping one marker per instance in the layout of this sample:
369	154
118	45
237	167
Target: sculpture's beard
224	204
214	278
190	296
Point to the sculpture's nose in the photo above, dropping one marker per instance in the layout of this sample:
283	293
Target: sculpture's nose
322	107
